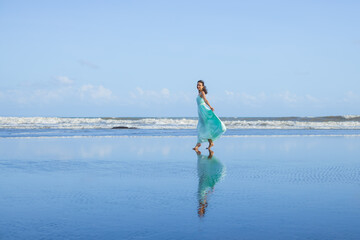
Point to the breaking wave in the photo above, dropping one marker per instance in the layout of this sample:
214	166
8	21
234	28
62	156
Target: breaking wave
325	122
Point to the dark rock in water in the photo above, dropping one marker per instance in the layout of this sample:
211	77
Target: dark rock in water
122	127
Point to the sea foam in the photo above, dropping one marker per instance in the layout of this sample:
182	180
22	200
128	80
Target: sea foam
325	122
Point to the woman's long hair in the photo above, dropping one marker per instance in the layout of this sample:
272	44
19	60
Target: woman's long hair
204	88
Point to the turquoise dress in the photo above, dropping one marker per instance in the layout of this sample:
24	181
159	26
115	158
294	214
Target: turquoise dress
210	171
209	125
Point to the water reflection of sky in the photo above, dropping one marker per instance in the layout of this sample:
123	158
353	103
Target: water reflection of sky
154	188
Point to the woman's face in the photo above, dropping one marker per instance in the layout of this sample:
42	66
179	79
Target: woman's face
199	86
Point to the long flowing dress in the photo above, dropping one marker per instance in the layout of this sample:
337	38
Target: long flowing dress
209	125
210	171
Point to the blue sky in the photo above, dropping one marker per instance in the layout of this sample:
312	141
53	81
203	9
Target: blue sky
143	58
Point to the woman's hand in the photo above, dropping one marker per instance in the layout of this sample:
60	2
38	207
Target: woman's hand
212	108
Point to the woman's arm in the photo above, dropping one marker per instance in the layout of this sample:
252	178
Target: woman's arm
202	94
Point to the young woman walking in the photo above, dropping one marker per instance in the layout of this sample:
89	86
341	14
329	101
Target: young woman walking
209	126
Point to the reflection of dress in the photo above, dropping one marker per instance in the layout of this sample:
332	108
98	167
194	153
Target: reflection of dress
209	125
210	171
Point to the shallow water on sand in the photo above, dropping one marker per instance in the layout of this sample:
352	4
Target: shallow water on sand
294	187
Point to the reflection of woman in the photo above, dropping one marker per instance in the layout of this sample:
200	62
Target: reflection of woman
210	171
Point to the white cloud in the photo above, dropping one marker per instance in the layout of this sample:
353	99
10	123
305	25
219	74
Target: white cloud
43	96
95	92
48	95
246	98
151	94
140	91
64	80
253	100
57	93
229	93
311	98
262	99
55	81
288	97
350	96
165	92
161	96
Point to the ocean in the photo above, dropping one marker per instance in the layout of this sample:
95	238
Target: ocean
138	178
20	127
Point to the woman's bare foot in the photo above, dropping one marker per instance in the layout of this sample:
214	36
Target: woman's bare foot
210	144
196	148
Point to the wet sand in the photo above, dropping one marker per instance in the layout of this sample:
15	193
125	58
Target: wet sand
287	187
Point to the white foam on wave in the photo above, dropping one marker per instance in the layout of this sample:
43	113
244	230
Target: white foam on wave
188	136
169	123
351	116
276	124
94	123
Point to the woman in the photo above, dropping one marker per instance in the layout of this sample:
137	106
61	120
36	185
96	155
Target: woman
209	125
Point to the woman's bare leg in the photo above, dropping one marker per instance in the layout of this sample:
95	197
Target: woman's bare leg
210	144
197	146
211	153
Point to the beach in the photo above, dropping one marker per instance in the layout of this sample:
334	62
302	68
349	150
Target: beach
103	105
151	187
